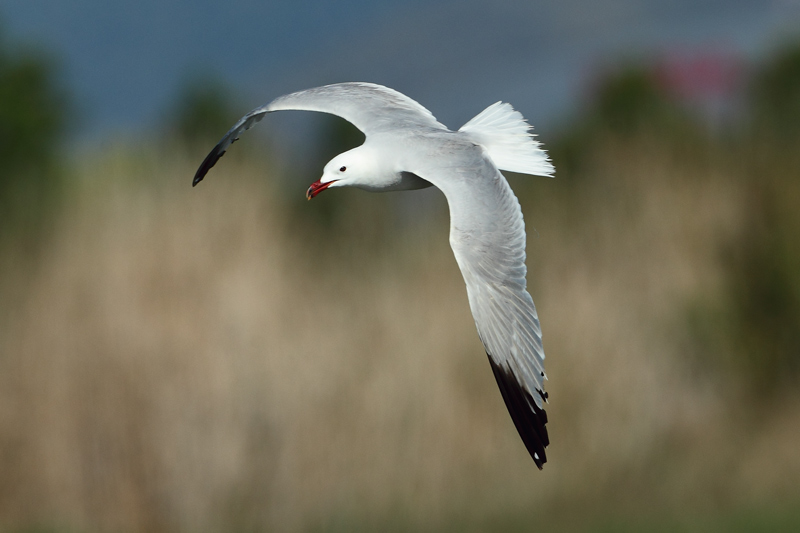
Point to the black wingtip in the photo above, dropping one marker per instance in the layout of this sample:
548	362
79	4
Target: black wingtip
210	160
529	418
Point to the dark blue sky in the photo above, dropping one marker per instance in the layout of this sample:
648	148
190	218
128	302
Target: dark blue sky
125	60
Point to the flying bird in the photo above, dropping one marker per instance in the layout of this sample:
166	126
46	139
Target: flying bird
407	148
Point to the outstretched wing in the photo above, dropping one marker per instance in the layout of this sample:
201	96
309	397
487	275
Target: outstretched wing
369	107
487	234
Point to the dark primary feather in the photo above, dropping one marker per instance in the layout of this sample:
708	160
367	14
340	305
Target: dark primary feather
245	123
210	160
528	418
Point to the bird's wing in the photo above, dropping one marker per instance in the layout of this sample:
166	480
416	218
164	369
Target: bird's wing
369	107
487	234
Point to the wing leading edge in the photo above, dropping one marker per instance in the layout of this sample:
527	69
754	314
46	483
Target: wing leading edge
369	107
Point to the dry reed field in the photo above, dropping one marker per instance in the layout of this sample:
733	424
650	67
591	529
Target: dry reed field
222	359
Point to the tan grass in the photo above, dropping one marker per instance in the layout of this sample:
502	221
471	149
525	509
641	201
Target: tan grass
183	361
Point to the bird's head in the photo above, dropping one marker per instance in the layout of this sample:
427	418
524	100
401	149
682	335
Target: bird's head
354	168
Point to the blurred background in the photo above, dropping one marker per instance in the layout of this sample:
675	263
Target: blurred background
234	358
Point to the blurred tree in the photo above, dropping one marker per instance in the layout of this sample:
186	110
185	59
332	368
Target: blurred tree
630	102
756	331
775	95
202	112
764	263
764	286
33	118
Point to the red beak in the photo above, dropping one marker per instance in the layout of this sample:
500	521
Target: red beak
316	188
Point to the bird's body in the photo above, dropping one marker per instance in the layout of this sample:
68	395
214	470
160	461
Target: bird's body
407	148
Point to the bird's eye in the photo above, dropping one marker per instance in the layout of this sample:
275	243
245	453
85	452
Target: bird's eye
342	169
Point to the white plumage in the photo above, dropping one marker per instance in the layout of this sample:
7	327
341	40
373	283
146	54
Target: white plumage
407	148
507	138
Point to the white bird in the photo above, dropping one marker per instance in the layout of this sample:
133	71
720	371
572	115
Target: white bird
407	148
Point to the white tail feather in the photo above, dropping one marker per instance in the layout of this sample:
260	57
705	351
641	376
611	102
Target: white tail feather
506	136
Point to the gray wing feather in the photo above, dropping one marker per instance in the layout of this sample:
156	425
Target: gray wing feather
487	234
369	107
493	265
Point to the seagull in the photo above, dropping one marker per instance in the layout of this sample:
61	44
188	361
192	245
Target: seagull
407	148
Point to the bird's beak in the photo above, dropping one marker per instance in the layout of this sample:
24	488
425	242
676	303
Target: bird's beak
316	188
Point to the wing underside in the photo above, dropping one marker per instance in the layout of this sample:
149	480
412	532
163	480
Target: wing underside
487	234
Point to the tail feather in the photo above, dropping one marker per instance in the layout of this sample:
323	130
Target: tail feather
505	135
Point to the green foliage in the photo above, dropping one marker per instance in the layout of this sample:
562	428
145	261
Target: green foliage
202	112
135	258
776	95
629	103
762	319
752	330
746	520
33	120
764	282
